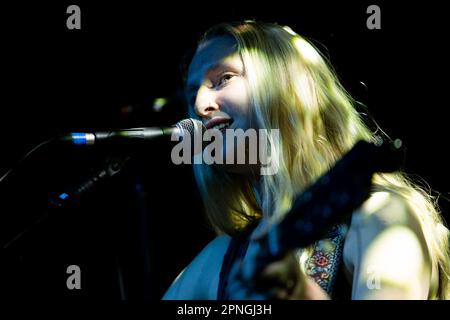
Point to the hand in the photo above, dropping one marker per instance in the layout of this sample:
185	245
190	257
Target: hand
282	279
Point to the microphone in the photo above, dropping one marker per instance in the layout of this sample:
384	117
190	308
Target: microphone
184	127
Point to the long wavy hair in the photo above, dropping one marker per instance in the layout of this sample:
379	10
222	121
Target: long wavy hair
293	88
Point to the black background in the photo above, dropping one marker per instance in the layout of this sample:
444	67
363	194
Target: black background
132	235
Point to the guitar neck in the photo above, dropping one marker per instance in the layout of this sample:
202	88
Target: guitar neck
333	197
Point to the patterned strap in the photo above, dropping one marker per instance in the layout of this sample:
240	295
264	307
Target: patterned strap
323	265
325	262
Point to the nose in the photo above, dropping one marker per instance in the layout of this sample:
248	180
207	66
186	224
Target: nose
206	102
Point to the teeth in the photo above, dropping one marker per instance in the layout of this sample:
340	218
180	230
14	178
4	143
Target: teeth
221	126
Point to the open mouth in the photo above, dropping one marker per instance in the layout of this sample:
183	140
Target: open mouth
220	124
222	127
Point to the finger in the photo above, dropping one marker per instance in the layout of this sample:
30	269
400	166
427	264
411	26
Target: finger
282	271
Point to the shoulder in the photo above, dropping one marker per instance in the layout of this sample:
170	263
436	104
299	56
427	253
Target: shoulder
379	212
199	280
382	210
385	242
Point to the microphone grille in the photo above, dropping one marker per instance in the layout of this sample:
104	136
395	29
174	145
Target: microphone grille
191	126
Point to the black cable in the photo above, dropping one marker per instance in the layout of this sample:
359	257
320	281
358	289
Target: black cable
20	161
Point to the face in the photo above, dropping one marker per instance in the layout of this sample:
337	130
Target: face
216	85
217	88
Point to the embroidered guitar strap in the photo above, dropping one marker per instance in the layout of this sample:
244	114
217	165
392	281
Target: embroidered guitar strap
324	264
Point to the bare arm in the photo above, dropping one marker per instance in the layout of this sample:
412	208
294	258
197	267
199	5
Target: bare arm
386	251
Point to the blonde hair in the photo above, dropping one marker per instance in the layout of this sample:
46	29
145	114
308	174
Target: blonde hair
294	89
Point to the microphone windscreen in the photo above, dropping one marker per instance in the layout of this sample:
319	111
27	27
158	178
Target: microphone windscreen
191	126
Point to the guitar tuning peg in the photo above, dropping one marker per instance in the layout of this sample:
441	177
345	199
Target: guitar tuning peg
378	140
397	144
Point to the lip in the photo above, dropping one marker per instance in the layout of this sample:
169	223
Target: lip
216	121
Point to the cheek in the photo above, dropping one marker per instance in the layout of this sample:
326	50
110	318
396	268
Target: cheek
237	94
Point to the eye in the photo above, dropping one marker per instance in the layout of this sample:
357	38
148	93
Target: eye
224	78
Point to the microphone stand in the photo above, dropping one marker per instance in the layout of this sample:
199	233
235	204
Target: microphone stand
113	166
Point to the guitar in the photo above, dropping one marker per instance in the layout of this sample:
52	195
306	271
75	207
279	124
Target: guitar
330	200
